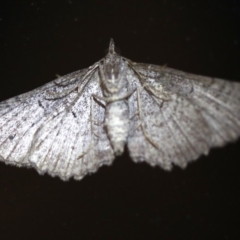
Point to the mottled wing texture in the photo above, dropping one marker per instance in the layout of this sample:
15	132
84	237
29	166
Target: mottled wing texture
56	128
179	116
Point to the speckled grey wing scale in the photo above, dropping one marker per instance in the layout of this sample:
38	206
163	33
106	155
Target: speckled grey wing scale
73	125
53	131
183	115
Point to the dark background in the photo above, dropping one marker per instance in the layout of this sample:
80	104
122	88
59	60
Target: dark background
39	39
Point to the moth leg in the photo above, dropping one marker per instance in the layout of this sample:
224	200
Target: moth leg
138	126
148	138
103	105
92	132
97	124
100	100
134	115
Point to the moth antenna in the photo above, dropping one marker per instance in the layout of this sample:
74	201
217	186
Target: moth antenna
111	47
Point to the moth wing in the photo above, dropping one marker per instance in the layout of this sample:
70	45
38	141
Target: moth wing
180	115
56	128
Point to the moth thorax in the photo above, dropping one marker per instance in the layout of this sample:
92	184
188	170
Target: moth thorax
114	71
117	124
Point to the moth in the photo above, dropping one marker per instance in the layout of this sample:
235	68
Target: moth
73	125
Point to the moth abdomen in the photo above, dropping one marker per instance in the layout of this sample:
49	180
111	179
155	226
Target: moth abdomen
117	124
